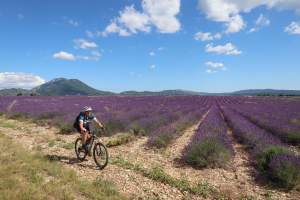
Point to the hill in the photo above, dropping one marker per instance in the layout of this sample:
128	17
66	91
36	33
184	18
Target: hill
267	92
64	87
14	92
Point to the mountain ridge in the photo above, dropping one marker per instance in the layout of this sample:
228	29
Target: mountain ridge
73	87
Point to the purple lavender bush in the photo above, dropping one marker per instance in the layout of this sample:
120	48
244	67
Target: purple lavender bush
211	145
284	169
267	150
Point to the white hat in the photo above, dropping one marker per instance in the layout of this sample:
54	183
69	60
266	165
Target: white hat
87	108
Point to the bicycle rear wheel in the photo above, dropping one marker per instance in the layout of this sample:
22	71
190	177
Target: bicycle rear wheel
100	155
80	153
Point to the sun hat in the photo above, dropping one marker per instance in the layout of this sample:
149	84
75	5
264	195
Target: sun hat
87	108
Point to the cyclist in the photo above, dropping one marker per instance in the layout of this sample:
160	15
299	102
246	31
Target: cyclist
84	120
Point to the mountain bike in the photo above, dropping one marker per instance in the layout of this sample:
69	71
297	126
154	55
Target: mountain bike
100	153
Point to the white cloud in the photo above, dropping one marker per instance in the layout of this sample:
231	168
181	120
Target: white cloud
160	48
163	14
152	66
113	27
133	20
261	21
207	36
84	44
293	28
62	55
227	49
229	11
160	14
235	24
152	53
19	80
215	65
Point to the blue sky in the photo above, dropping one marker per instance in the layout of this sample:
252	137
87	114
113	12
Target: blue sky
117	45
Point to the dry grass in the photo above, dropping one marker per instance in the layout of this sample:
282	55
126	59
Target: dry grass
31	176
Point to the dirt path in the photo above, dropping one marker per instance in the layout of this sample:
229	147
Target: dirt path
235	181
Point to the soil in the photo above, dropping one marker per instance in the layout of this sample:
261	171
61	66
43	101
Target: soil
237	180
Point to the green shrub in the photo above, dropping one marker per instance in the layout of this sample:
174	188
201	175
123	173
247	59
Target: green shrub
285	170
19	116
65	128
264	158
161	141
293	137
120	139
137	130
208	153
281	166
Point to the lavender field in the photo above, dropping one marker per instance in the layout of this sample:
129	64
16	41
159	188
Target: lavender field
268	127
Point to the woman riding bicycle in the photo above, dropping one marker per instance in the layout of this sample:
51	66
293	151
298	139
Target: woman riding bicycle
84	120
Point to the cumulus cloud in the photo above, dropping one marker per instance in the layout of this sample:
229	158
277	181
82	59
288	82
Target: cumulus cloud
113	27
160	14
206	36
62	55
84	44
214	67
227	49
293	28
92	56
229	11
19	80
235	24
261	21
133	20
163	14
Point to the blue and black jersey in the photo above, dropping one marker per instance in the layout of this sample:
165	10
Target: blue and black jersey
86	120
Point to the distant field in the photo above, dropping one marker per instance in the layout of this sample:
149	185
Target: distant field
268	127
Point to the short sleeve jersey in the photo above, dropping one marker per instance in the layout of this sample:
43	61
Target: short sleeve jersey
86	119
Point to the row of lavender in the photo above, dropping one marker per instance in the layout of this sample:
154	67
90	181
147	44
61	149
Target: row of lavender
210	146
279	116
273	158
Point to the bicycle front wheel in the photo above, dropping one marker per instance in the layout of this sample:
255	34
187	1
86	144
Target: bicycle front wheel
100	155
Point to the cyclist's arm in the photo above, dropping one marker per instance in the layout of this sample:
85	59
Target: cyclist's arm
98	122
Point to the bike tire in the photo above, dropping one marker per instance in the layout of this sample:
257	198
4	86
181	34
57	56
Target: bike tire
78	144
103	150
